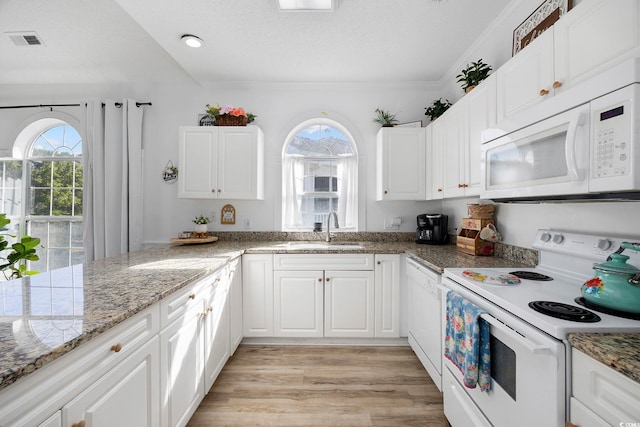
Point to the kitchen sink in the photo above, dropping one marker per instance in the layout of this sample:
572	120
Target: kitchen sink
335	246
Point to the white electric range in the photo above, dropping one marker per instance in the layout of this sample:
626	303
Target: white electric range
529	349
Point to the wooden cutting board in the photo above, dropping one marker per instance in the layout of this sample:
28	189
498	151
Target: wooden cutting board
193	241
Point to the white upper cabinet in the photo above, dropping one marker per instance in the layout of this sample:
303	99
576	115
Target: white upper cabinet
591	37
435	168
401	169
221	162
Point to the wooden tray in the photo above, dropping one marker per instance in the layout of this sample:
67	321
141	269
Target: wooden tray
193	241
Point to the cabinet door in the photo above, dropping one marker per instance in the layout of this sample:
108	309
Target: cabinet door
480	115
435	158
257	295
182	368
235	305
349	304
216	329
387	296
127	395
401	156
198	153
298	303
241	163
593	36
453	149
521	79
54	420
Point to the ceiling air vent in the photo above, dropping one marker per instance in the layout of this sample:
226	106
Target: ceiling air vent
25	38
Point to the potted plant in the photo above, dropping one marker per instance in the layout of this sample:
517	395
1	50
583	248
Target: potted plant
201	225
230	115
471	76
15	261
385	118
437	108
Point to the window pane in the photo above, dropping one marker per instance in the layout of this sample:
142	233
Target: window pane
59	234
58	258
40	174
62	202
40	202
76	234
11	186
77	203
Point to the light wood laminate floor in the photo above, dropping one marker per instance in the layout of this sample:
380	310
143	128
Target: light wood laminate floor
322	386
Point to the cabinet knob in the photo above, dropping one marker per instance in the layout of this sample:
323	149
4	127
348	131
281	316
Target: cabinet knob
465	185
79	424
219	190
320	279
327	279
386	192
439	190
557	84
209	308
544	92
203	314
213	190
379	262
192	296
116	348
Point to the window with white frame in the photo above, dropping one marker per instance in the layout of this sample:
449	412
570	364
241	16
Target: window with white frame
319	176
42	192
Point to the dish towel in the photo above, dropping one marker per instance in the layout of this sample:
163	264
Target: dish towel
466	342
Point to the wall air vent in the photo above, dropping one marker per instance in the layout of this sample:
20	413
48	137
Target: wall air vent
25	38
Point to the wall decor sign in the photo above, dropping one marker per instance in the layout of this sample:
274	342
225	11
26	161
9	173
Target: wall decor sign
540	20
170	173
228	215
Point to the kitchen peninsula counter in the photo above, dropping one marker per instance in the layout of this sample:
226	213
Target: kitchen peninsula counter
618	351
89	299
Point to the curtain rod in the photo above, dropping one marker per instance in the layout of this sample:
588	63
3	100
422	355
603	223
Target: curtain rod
118	104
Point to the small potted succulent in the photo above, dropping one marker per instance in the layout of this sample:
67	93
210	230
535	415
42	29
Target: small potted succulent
437	108
475	73
201	225
385	118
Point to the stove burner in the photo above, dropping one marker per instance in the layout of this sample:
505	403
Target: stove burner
606	310
531	275
564	311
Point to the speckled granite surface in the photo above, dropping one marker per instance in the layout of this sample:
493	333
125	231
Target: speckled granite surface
618	351
45	316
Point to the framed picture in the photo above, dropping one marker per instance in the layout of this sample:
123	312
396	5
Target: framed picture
540	20
206	120
417	124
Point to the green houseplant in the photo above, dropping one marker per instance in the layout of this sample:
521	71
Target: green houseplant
471	76
15	261
201	228
437	108
385	118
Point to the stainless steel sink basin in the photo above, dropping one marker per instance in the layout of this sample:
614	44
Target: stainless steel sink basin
336	246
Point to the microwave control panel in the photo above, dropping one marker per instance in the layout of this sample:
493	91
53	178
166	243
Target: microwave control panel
614	121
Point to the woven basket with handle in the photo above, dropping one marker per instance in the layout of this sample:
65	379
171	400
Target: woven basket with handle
229	120
481	211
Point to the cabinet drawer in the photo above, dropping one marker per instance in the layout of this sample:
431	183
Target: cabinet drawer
607	393
323	262
176	305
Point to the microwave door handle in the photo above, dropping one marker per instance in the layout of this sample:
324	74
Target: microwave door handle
534	348
570	147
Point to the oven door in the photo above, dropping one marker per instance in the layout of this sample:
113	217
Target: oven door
527	373
548	158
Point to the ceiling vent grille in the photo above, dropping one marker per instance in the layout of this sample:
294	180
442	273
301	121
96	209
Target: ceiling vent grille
25	38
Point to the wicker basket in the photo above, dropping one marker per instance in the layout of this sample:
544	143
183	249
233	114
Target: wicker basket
481	211
229	120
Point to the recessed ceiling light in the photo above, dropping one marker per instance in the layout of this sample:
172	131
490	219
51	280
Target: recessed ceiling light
308	5
191	40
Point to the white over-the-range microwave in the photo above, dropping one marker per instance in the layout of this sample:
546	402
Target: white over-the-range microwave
589	151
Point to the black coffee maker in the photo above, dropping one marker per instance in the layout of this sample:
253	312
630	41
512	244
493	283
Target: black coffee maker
432	229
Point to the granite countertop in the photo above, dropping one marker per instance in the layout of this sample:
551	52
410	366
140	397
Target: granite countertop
42	317
618	351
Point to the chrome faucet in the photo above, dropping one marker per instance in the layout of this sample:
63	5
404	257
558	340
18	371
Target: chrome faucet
335	221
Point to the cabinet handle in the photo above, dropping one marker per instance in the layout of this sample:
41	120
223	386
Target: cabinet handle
465	185
557	84
544	92
460	185
192	296
79	424
116	348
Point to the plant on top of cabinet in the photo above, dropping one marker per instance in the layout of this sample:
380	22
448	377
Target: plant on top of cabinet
437	108
475	73
230	115
385	118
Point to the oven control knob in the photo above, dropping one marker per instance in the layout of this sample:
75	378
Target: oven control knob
603	244
558	238
545	237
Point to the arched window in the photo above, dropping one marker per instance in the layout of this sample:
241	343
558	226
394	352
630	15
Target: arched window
319	175
46	200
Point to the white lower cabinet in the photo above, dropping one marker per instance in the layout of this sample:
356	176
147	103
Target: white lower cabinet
257	295
127	395
387	296
349	304
235	305
298	303
217	347
600	395
53	421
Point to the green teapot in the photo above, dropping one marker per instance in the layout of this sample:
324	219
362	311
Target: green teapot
616	284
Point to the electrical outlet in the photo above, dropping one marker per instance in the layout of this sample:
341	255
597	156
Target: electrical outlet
213	217
247	224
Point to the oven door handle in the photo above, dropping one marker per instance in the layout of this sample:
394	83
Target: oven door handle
534	348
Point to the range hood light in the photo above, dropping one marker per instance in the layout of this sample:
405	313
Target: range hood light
191	40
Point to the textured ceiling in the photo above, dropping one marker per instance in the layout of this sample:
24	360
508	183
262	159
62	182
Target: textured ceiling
111	41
